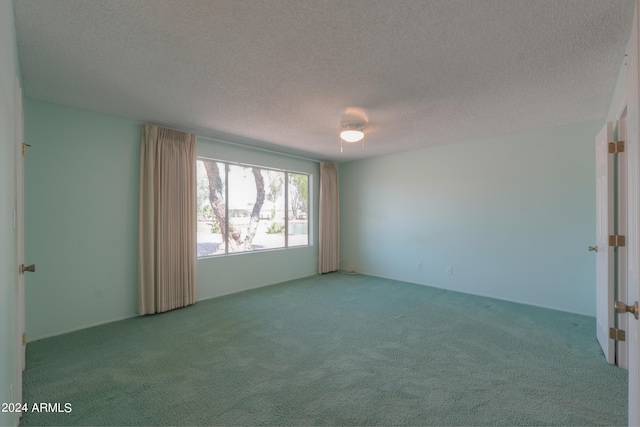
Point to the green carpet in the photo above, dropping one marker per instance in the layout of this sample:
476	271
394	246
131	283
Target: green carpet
335	349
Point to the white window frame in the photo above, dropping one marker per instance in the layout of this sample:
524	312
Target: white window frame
286	207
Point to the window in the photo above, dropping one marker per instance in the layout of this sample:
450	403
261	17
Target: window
245	208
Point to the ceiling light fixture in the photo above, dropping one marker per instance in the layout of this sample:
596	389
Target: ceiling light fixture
353	132
352	127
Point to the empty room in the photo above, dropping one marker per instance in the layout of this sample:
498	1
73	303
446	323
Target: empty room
319	212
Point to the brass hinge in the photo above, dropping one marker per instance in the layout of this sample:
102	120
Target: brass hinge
24	338
616	147
616	240
24	149
617	334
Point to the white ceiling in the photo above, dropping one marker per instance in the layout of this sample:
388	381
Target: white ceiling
279	73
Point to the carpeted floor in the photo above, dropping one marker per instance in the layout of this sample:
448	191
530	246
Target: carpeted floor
335	349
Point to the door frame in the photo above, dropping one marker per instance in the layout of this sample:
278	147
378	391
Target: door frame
18	224
621	291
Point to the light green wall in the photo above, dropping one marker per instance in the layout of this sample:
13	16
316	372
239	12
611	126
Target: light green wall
512	215
81	183
81	207
9	69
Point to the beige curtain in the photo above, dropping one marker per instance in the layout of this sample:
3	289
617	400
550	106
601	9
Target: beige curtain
329	259
167	234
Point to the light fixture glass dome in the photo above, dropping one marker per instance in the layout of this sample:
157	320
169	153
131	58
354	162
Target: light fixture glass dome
351	135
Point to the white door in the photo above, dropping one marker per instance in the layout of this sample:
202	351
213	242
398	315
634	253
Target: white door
19	239
604	254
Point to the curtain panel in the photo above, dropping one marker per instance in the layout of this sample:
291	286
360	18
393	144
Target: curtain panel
167	227
329	227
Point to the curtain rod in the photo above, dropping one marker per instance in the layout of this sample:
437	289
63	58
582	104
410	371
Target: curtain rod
238	144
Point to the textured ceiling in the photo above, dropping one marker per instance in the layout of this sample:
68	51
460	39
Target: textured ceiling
279	73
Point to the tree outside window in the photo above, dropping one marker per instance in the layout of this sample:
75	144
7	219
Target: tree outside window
247	208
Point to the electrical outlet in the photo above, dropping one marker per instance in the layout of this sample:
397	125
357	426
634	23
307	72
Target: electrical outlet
450	270
419	266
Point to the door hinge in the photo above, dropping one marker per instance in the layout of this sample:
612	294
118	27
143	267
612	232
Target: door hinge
24	149
617	334
616	240
24	338
616	147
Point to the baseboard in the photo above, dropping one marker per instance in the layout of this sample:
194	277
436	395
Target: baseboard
256	287
79	328
66	331
481	295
